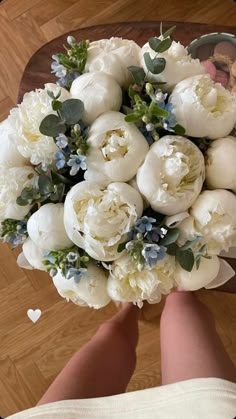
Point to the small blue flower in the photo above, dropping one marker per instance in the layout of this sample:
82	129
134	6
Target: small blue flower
51	258
75	273
76	163
152	253
15	239
160	99
60	160
61	141
154	235
144	224
72	257
58	69
63	81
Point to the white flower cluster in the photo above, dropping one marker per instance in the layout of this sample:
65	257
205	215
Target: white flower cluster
99	211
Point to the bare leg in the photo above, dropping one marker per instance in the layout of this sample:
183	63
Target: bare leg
190	345
104	366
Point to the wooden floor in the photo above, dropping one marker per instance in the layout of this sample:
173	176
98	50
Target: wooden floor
32	354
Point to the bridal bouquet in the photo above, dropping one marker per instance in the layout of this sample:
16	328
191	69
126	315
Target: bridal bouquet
120	179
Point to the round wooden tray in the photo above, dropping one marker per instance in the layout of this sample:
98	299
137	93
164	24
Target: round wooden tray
38	70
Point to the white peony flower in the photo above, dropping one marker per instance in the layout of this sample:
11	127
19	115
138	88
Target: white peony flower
220	164
9	156
90	290
113	56
31	256
204	108
212	273
225	273
117	149
127	284
46	228
99	93
213	217
25	120
98	218
172	174
197	278
12	181
179	65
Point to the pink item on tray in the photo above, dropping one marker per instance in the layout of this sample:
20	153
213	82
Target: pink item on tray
221	77
210	68
227	49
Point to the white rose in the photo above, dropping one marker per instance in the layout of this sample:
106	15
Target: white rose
113	56
197	278
25	120
117	149
98	218
212	273
213	217
31	256
172	174
99	93
204	108
12	181
46	228
179	65
127	284
9	156
220	164
90	290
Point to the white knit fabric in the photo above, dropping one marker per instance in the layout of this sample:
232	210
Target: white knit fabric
202	398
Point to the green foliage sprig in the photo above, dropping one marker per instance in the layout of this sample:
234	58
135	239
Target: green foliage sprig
154	65
72	262
68	112
49	186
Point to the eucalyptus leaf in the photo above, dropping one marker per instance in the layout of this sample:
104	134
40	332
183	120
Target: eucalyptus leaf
191	243
59	178
172	249
56	105
185	259
22	202
198	261
121	247
72	110
202	249
169	31
138	74
60	190
158	65
45	185
179	130
148	61
26	194
164	45
50	94
170	237
52	126
154	43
